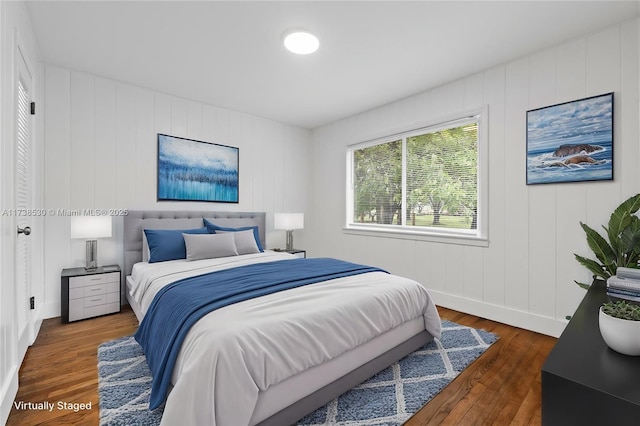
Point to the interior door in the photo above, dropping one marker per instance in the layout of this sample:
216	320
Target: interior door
23	199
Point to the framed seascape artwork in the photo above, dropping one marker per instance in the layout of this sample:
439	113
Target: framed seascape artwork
190	170
571	142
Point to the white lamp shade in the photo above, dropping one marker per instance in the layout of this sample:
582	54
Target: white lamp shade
91	227
288	221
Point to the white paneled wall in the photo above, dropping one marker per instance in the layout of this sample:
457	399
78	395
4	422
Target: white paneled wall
525	276
100	139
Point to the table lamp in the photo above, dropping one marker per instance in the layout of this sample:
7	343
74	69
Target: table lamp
288	222
90	228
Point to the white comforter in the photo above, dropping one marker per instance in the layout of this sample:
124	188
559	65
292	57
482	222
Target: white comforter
235	352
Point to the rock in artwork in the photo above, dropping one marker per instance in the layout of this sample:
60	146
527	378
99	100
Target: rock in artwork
571	142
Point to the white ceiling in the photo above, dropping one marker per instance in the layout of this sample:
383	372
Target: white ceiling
230	54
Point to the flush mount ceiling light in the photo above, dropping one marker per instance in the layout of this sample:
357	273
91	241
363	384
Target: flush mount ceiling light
301	43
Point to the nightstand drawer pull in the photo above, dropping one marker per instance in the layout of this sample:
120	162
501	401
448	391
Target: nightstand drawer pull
94	301
95	290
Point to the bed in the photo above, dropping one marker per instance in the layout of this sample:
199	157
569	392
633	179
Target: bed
272	359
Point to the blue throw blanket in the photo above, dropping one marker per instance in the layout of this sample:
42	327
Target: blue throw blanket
179	305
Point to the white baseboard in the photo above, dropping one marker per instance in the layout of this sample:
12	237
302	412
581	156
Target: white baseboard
513	317
51	310
8	393
54	309
35	329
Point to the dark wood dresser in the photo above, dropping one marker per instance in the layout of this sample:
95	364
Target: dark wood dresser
584	382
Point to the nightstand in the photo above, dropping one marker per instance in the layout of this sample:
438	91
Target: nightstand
296	252
87	294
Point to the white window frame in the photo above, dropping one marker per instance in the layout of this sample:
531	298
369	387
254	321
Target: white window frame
473	237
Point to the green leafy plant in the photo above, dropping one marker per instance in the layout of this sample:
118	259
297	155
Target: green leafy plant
623	310
622	247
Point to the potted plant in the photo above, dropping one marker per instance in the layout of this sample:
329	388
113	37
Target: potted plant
620	326
622	247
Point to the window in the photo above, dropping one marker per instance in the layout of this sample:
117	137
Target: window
425	182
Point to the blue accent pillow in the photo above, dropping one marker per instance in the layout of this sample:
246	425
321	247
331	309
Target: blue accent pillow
212	229
168	244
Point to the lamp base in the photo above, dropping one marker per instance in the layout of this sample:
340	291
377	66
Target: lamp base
289	240
91	255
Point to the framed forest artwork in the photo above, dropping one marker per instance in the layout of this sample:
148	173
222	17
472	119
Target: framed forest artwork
191	170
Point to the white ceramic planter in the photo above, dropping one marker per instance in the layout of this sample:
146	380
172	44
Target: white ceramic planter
620	335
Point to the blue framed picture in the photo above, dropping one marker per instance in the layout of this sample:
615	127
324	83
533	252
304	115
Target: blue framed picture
190	170
571	142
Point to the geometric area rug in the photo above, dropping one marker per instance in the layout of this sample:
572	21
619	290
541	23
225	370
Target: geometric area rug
390	397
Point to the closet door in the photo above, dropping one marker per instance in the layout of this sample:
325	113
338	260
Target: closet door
23	199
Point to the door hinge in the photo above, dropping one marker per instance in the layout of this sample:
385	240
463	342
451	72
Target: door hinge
33	108
32	302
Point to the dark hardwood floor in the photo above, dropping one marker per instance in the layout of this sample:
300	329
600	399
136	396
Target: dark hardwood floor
62	365
502	387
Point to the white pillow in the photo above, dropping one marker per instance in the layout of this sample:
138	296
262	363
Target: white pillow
245	241
209	246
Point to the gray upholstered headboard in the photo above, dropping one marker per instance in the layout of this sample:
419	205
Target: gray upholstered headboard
137	220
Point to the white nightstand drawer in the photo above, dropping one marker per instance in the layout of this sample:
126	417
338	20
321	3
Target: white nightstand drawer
75	282
95	300
95	290
76	293
76	309
113	287
113	297
95	311
113	307
112	277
